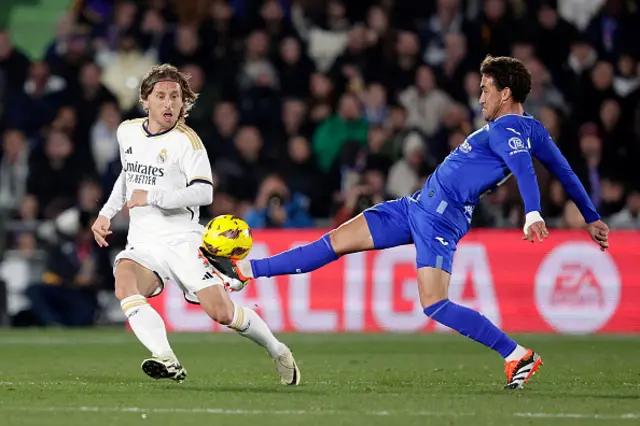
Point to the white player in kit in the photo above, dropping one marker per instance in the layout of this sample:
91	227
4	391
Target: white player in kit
166	177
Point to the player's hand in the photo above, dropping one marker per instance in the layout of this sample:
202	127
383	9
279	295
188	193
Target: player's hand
101	230
599	232
138	199
537	230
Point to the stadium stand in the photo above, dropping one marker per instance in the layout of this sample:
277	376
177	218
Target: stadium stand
328	106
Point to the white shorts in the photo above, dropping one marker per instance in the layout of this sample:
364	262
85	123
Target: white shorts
177	261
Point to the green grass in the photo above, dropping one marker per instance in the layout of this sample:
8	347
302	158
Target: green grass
93	378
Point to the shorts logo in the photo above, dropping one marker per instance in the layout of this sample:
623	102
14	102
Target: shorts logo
208	276
442	241
577	288
162	156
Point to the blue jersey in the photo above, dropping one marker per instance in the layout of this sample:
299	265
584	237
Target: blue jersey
502	148
435	218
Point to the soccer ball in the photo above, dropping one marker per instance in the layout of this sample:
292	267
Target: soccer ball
227	236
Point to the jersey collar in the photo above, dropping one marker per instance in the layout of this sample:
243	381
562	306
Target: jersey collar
525	115
148	134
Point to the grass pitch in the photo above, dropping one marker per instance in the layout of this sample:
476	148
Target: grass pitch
93	377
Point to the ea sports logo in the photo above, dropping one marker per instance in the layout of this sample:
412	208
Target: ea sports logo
577	288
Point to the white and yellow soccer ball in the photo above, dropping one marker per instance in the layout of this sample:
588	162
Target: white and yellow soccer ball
227	236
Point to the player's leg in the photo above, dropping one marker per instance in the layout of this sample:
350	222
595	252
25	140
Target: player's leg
435	247
133	284
216	303
433	284
382	226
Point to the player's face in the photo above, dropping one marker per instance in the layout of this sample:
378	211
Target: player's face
490	98
165	104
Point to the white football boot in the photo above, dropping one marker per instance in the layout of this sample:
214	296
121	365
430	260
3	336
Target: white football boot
164	368
287	369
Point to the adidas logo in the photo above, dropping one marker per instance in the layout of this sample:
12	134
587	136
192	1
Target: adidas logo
207	276
245	328
129	151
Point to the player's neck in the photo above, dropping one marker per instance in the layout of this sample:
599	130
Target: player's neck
516	109
153	127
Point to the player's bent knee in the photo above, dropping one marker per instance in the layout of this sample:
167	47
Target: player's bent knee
217	304
125	282
433	285
132	279
352	237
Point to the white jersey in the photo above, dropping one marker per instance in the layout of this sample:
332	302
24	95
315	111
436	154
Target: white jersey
166	161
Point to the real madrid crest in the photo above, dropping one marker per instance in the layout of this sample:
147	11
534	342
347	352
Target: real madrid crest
162	157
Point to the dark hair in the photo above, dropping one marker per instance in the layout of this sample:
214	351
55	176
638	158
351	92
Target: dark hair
508	72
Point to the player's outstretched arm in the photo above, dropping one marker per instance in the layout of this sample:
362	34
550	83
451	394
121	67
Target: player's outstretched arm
515	153
551	157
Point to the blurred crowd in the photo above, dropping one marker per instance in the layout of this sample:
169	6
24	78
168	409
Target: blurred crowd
313	110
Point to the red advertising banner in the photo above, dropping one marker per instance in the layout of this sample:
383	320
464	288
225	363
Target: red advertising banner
565	285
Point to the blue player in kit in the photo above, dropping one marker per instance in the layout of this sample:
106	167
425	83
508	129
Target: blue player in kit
439	215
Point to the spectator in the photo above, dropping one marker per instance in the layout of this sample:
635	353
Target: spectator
346	126
104	142
13	63
54	178
425	102
629	216
369	192
404	175
14	169
277	207
125	70
67	295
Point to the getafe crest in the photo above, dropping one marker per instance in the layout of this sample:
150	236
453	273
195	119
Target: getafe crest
162	156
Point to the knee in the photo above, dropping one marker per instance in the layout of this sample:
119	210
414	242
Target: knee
222	315
433	285
431	299
216	303
351	237
125	288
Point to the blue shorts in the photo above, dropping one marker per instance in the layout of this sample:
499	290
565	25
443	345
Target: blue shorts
409	221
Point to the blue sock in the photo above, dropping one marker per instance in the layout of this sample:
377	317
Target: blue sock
472	324
298	260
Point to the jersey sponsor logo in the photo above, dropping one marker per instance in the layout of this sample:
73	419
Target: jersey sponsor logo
516	145
577	288
143	173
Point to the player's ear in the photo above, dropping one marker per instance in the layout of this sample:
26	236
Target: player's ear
506	93
145	104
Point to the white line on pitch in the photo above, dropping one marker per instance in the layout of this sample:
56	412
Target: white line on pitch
223	411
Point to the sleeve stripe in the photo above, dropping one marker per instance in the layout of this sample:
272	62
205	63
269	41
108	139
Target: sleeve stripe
196	143
200	179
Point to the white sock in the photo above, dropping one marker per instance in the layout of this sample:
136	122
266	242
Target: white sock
148	325
249	324
517	353
245	268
